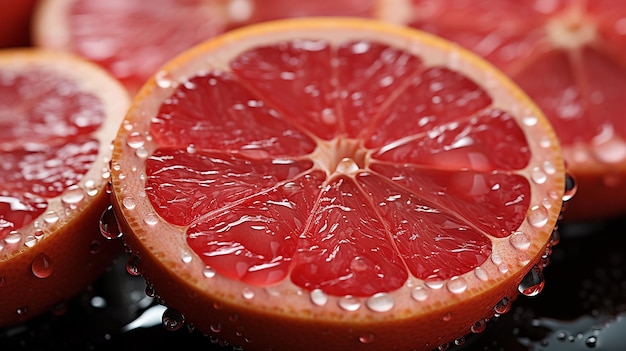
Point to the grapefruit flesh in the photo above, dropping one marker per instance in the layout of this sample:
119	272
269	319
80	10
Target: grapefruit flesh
569	57
335	184
131	39
58	116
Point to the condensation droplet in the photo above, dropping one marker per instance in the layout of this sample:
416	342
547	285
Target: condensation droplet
151	219
135	140
132	265
457	285
109	227
73	195
141	152
434	284
129	203
172	319
318	297
367	338
447	317
538	216
50	217
349	303
380	302
209	272
549	167
533	282
60	308
30	241
95	247
247	293
186	257
538	176
90	187
419	293
478	327
530	120
3	282
13	237
22	311
41	266
503	306
216	327
571	186
520	240
164	79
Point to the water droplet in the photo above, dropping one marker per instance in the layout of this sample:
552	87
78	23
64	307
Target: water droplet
50	217
571	187
479	327
318	297
98	302
191	148
591	341
135	140
503	306
22	311
164	79
419	293
209	272
186	257
520	240
73	195
459	341
172	319
555	238
549	167
447	317
434	284
59	308
216	327
538	176
247	293
533	282
30	241
457	285
538	216
109	227
41	266
530	120
380	302
367	338
38	234
349	303
132	265
128	203
141	152
13	237
151	219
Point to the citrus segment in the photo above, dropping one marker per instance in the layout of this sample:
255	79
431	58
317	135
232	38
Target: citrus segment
569	57
58	117
335	178
131	39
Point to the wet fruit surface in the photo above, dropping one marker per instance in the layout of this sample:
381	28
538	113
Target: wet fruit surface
582	307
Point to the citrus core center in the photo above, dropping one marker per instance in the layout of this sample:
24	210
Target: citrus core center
340	156
571	30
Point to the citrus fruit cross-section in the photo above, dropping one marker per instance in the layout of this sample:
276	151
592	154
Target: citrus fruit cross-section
58	116
336	184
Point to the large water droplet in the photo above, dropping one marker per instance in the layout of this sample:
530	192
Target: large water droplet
538	216
128	203
503	306
73	195
419	293
380	302
349	303
318	297
151	219
135	140
50	217
172	319
41	266
533	282
132	265
479	327
13	237
109	227
520	240
457	285
571	187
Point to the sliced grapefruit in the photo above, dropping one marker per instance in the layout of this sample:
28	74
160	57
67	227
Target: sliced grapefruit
570	57
132	38
58	116
335	184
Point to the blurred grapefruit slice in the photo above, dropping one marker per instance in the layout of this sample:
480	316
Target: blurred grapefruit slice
569	56
335	184
133	38
58	116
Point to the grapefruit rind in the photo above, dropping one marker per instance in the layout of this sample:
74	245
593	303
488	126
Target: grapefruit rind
285	316
67	234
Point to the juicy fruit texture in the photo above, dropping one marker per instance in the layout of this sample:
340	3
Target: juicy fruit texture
568	56
132	39
335	184
58	116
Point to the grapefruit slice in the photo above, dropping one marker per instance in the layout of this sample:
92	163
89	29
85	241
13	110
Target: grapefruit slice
569	56
58	117
133	38
335	184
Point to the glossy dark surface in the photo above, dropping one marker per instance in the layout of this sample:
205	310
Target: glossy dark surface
582	307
